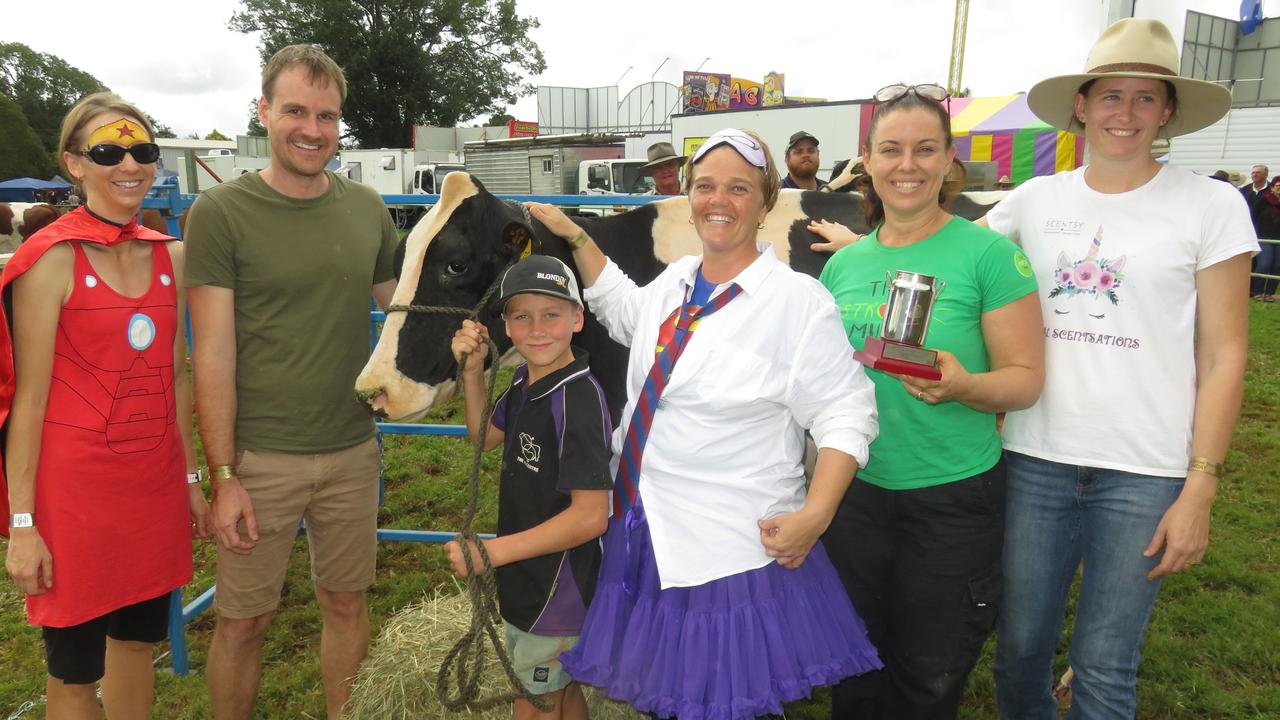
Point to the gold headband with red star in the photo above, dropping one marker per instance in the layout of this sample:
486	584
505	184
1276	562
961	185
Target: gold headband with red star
123	132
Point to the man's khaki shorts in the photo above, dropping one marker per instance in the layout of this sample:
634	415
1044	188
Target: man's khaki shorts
336	493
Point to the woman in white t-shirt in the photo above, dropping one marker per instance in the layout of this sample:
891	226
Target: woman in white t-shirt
1144	270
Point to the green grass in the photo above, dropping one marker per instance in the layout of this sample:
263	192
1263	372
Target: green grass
1213	648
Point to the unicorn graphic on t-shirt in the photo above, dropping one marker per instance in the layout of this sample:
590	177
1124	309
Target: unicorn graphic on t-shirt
1091	275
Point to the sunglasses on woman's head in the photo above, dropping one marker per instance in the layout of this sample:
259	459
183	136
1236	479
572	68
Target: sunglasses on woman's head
108	154
929	91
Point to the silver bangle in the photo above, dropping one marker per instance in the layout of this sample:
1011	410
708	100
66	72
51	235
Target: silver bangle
194	478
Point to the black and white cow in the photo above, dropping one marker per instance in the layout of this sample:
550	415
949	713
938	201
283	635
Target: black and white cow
458	249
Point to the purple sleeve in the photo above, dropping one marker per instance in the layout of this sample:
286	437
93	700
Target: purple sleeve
499	417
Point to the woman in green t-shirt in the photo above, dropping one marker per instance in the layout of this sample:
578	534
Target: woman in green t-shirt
918	537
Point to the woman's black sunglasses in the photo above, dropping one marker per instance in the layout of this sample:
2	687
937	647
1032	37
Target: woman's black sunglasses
106	154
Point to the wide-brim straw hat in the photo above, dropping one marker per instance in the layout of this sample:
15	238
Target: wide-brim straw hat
1140	48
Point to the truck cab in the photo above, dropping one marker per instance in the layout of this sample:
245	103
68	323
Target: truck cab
428	177
613	177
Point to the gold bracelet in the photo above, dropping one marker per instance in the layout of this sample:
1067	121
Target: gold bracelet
1205	466
222	472
578	240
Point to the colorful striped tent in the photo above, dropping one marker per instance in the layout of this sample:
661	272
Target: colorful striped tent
1005	131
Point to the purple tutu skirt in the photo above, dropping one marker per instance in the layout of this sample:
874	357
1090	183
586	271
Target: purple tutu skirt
737	647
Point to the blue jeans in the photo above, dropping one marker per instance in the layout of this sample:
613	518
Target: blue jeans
1266	262
1058	516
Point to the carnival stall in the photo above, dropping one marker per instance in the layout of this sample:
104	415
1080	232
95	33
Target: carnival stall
1003	130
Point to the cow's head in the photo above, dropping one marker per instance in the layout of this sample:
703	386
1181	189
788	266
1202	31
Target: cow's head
6	219
452	256
846	175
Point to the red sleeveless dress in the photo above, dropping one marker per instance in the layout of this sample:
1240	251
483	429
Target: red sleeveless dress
111	493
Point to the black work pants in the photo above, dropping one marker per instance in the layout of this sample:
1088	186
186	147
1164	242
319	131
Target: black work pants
922	568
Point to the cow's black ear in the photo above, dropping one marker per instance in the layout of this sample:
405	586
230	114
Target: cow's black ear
518	239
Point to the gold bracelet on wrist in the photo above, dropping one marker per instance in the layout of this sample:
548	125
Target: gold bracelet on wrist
1205	466
222	472
577	241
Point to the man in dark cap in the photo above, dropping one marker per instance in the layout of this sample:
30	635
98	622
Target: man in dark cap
664	165
802	163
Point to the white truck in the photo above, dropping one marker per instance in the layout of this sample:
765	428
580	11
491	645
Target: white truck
399	171
580	164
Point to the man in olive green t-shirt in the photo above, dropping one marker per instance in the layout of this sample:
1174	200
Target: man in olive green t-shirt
280	265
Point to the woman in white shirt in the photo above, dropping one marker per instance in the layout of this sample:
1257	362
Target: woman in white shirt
1144	271
715	597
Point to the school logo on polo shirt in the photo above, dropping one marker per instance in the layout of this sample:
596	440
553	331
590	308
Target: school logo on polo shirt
530	453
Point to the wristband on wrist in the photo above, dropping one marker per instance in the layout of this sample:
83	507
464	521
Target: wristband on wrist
577	241
1204	466
222	472
194	477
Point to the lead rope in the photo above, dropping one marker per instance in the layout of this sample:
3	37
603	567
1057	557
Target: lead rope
464	663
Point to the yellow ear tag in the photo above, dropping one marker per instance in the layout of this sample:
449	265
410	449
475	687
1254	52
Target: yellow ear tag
527	251
123	132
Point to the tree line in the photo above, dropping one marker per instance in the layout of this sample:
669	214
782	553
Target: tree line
408	62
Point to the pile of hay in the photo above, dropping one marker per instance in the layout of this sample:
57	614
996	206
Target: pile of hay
398	679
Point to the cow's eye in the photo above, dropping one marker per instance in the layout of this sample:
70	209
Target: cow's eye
456	269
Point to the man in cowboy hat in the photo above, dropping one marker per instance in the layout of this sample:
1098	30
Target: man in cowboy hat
1004	183
664	165
802	163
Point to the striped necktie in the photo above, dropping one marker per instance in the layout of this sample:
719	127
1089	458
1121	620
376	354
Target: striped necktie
628	481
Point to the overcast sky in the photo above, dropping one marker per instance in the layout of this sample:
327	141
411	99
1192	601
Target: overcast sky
178	61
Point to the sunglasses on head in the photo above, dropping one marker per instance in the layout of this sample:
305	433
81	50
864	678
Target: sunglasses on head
107	154
929	91
744	144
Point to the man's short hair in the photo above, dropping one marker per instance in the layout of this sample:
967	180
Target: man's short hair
320	67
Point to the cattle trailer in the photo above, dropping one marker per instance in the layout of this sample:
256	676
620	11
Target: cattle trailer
579	164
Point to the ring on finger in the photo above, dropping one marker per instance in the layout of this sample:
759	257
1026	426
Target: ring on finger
920	396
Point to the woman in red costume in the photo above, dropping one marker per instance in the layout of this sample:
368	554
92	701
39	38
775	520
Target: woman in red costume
95	415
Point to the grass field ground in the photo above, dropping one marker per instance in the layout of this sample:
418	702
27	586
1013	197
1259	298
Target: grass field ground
1213	648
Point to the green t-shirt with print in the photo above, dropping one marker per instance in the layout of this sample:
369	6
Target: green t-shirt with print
922	445
301	272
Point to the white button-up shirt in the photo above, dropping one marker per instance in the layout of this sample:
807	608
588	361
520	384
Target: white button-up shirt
727	442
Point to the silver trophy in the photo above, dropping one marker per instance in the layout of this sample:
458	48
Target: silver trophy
899	349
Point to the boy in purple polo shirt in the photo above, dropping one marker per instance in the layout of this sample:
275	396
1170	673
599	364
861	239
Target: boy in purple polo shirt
553	496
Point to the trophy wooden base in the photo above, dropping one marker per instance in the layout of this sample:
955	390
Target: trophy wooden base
895	357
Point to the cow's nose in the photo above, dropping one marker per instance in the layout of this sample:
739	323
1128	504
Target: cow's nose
375	398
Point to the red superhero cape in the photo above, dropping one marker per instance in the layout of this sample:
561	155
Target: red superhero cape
78	225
